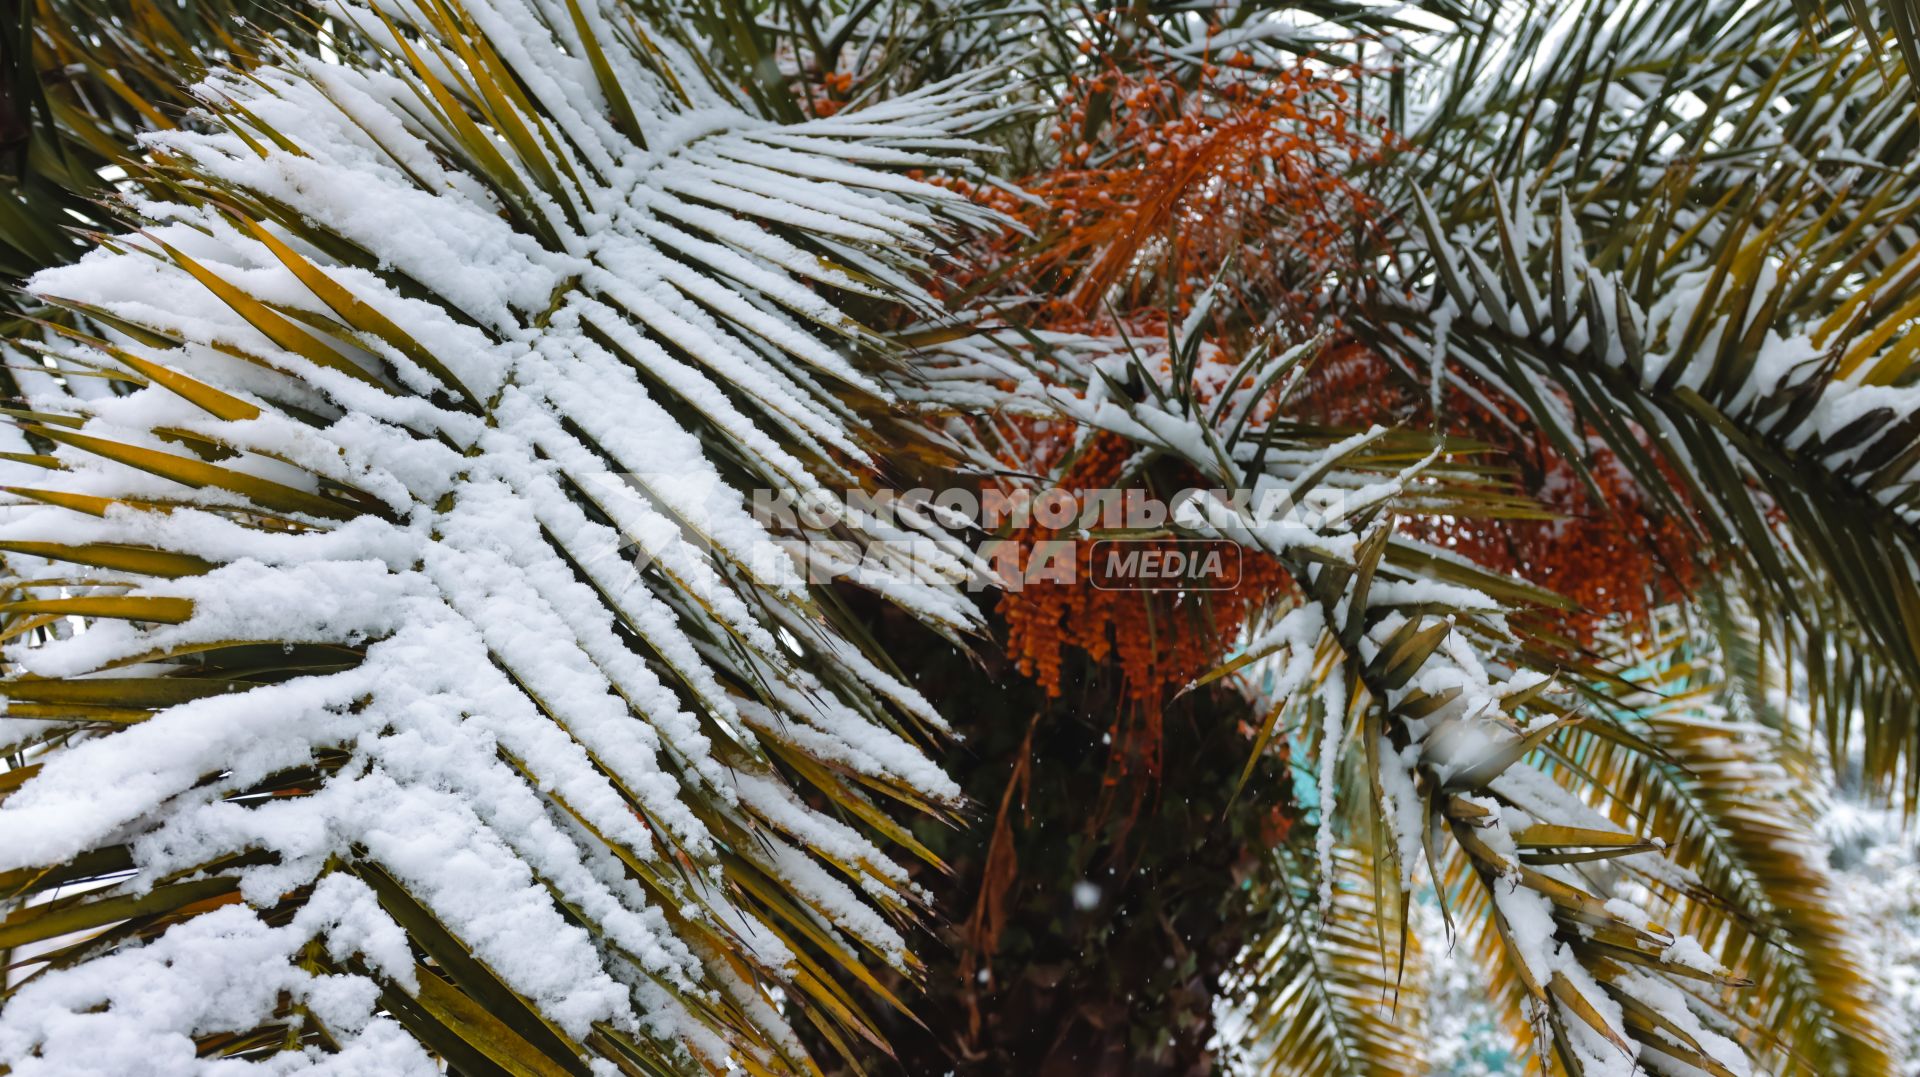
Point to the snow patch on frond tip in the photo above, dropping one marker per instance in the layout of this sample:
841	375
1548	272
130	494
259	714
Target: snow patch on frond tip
134	1011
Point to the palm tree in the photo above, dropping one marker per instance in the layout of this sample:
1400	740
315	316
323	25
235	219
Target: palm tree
1751	464
398	680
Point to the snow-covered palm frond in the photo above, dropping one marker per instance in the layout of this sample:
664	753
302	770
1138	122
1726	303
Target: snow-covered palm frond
1402	659
439	700
79	82
1686	232
1738	800
844	51
1325	992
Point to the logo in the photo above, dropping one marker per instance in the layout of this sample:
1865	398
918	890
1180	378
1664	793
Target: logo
1165	565
705	535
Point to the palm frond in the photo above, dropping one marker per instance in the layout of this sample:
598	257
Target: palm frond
1325	990
81	82
1407	663
1736	800
434	670
1726	315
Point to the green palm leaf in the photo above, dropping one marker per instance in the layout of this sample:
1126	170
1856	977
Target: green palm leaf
1736	800
1325	991
439	696
1700	257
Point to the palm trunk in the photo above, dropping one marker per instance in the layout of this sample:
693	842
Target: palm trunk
1089	918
